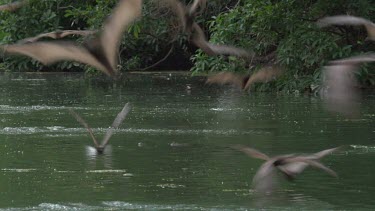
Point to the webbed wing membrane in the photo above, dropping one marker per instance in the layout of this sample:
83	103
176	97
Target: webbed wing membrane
57	34
116	123
122	16
52	52
84	124
194	6
349	20
263	75
265	178
251	152
199	39
323	153
355	60
12	6
226	78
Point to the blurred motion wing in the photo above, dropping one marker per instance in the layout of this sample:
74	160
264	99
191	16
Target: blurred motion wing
116	123
122	16
52	52
251	152
84	124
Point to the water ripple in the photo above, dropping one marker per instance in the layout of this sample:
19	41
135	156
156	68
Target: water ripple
69	131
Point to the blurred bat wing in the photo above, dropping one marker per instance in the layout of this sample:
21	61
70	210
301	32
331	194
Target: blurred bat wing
12	6
52	52
251	152
230	50
226	78
354	60
340	93
349	20
199	39
116	123
194	6
122	16
265	179
179	9
57	34
263	75
342	20
84	124
323	153
316	164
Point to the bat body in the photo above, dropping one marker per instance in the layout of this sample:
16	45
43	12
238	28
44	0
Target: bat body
100	51
116	123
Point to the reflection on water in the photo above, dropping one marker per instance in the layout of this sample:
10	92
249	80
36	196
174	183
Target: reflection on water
173	151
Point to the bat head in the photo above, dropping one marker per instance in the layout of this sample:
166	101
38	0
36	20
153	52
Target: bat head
100	149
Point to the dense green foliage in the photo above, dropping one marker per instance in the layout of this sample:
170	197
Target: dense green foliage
287	30
279	32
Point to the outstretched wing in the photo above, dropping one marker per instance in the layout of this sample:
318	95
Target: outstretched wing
315	164
125	13
116	123
349	20
194	6
179	9
226	78
323	153
354	60
265	180
251	152
52	52
297	164
263	75
12	6
199	39
84	124
342	20
57	34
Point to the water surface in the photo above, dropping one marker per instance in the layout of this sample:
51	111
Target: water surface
173	150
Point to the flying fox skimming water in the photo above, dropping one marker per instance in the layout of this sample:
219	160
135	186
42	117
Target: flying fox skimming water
116	123
100	51
289	165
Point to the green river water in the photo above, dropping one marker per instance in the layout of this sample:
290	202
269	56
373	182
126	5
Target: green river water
173	150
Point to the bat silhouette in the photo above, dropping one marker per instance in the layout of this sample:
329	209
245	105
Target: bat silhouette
99	52
186	15
289	165
244	82
12	6
116	123
349	20
58	35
